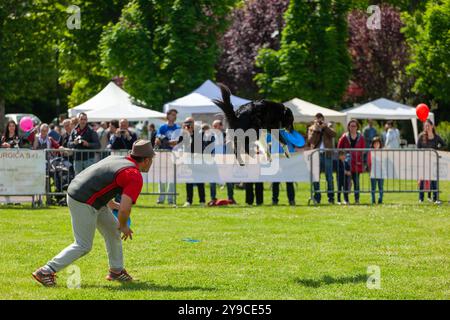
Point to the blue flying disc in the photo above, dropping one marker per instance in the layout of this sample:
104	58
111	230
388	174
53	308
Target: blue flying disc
293	137
191	240
116	214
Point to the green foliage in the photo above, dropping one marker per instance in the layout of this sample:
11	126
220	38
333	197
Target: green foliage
80	66
443	129
313	62
428	35
168	52
27	51
403	5
127	51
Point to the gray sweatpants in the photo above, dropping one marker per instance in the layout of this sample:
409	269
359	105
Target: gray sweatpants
85	219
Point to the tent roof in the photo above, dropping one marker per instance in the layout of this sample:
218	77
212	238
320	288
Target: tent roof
305	111
130	112
383	109
114	103
110	95
199	101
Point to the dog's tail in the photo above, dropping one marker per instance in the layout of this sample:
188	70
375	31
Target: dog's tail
225	105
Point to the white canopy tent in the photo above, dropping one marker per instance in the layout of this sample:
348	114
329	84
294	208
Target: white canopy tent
129	112
114	103
384	109
200	102
112	94
305	111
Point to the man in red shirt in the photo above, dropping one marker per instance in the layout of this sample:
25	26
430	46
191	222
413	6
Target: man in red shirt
90	200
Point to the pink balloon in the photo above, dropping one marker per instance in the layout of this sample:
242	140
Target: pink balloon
26	124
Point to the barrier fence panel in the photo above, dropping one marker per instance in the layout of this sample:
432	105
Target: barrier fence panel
332	173
336	173
62	165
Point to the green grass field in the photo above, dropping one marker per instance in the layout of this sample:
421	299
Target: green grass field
266	252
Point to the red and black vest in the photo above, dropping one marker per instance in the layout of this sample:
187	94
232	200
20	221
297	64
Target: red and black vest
96	185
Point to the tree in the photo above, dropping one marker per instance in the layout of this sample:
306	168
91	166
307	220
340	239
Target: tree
164	49
313	62
27	52
429	37
193	29
379	56
255	25
402	5
79	57
127	50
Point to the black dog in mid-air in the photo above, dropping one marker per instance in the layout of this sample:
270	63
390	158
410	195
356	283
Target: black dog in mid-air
261	114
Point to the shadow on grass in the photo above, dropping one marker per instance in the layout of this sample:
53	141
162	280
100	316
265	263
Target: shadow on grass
147	286
329	280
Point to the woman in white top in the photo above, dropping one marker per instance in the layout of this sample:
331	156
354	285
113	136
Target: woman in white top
392	137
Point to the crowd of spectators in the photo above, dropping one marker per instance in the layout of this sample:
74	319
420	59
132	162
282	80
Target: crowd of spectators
347	165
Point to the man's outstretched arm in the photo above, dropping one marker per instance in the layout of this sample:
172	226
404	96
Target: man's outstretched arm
124	213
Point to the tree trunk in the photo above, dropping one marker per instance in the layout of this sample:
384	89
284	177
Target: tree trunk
2	115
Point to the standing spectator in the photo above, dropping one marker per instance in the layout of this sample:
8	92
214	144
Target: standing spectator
188	125
123	138
10	138
392	136
321	136
252	189
103	138
167	138
103	135
384	133
67	125
377	170
276	185
58	130
74	121
29	136
353	139
112	129
83	137
54	133
369	131
220	149
207	139
43	140
65	137
343	176
151	133
428	139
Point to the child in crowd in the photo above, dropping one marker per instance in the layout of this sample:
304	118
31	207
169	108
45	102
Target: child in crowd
376	173
343	176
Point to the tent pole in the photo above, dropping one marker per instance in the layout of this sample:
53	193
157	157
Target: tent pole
415	129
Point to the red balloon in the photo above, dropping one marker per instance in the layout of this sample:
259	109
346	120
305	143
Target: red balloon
422	112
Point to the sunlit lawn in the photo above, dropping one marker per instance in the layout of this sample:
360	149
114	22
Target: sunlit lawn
266	252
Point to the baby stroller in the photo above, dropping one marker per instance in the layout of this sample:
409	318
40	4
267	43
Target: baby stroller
61	172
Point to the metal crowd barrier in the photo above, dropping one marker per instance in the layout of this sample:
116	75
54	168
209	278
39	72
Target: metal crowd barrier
400	171
62	165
